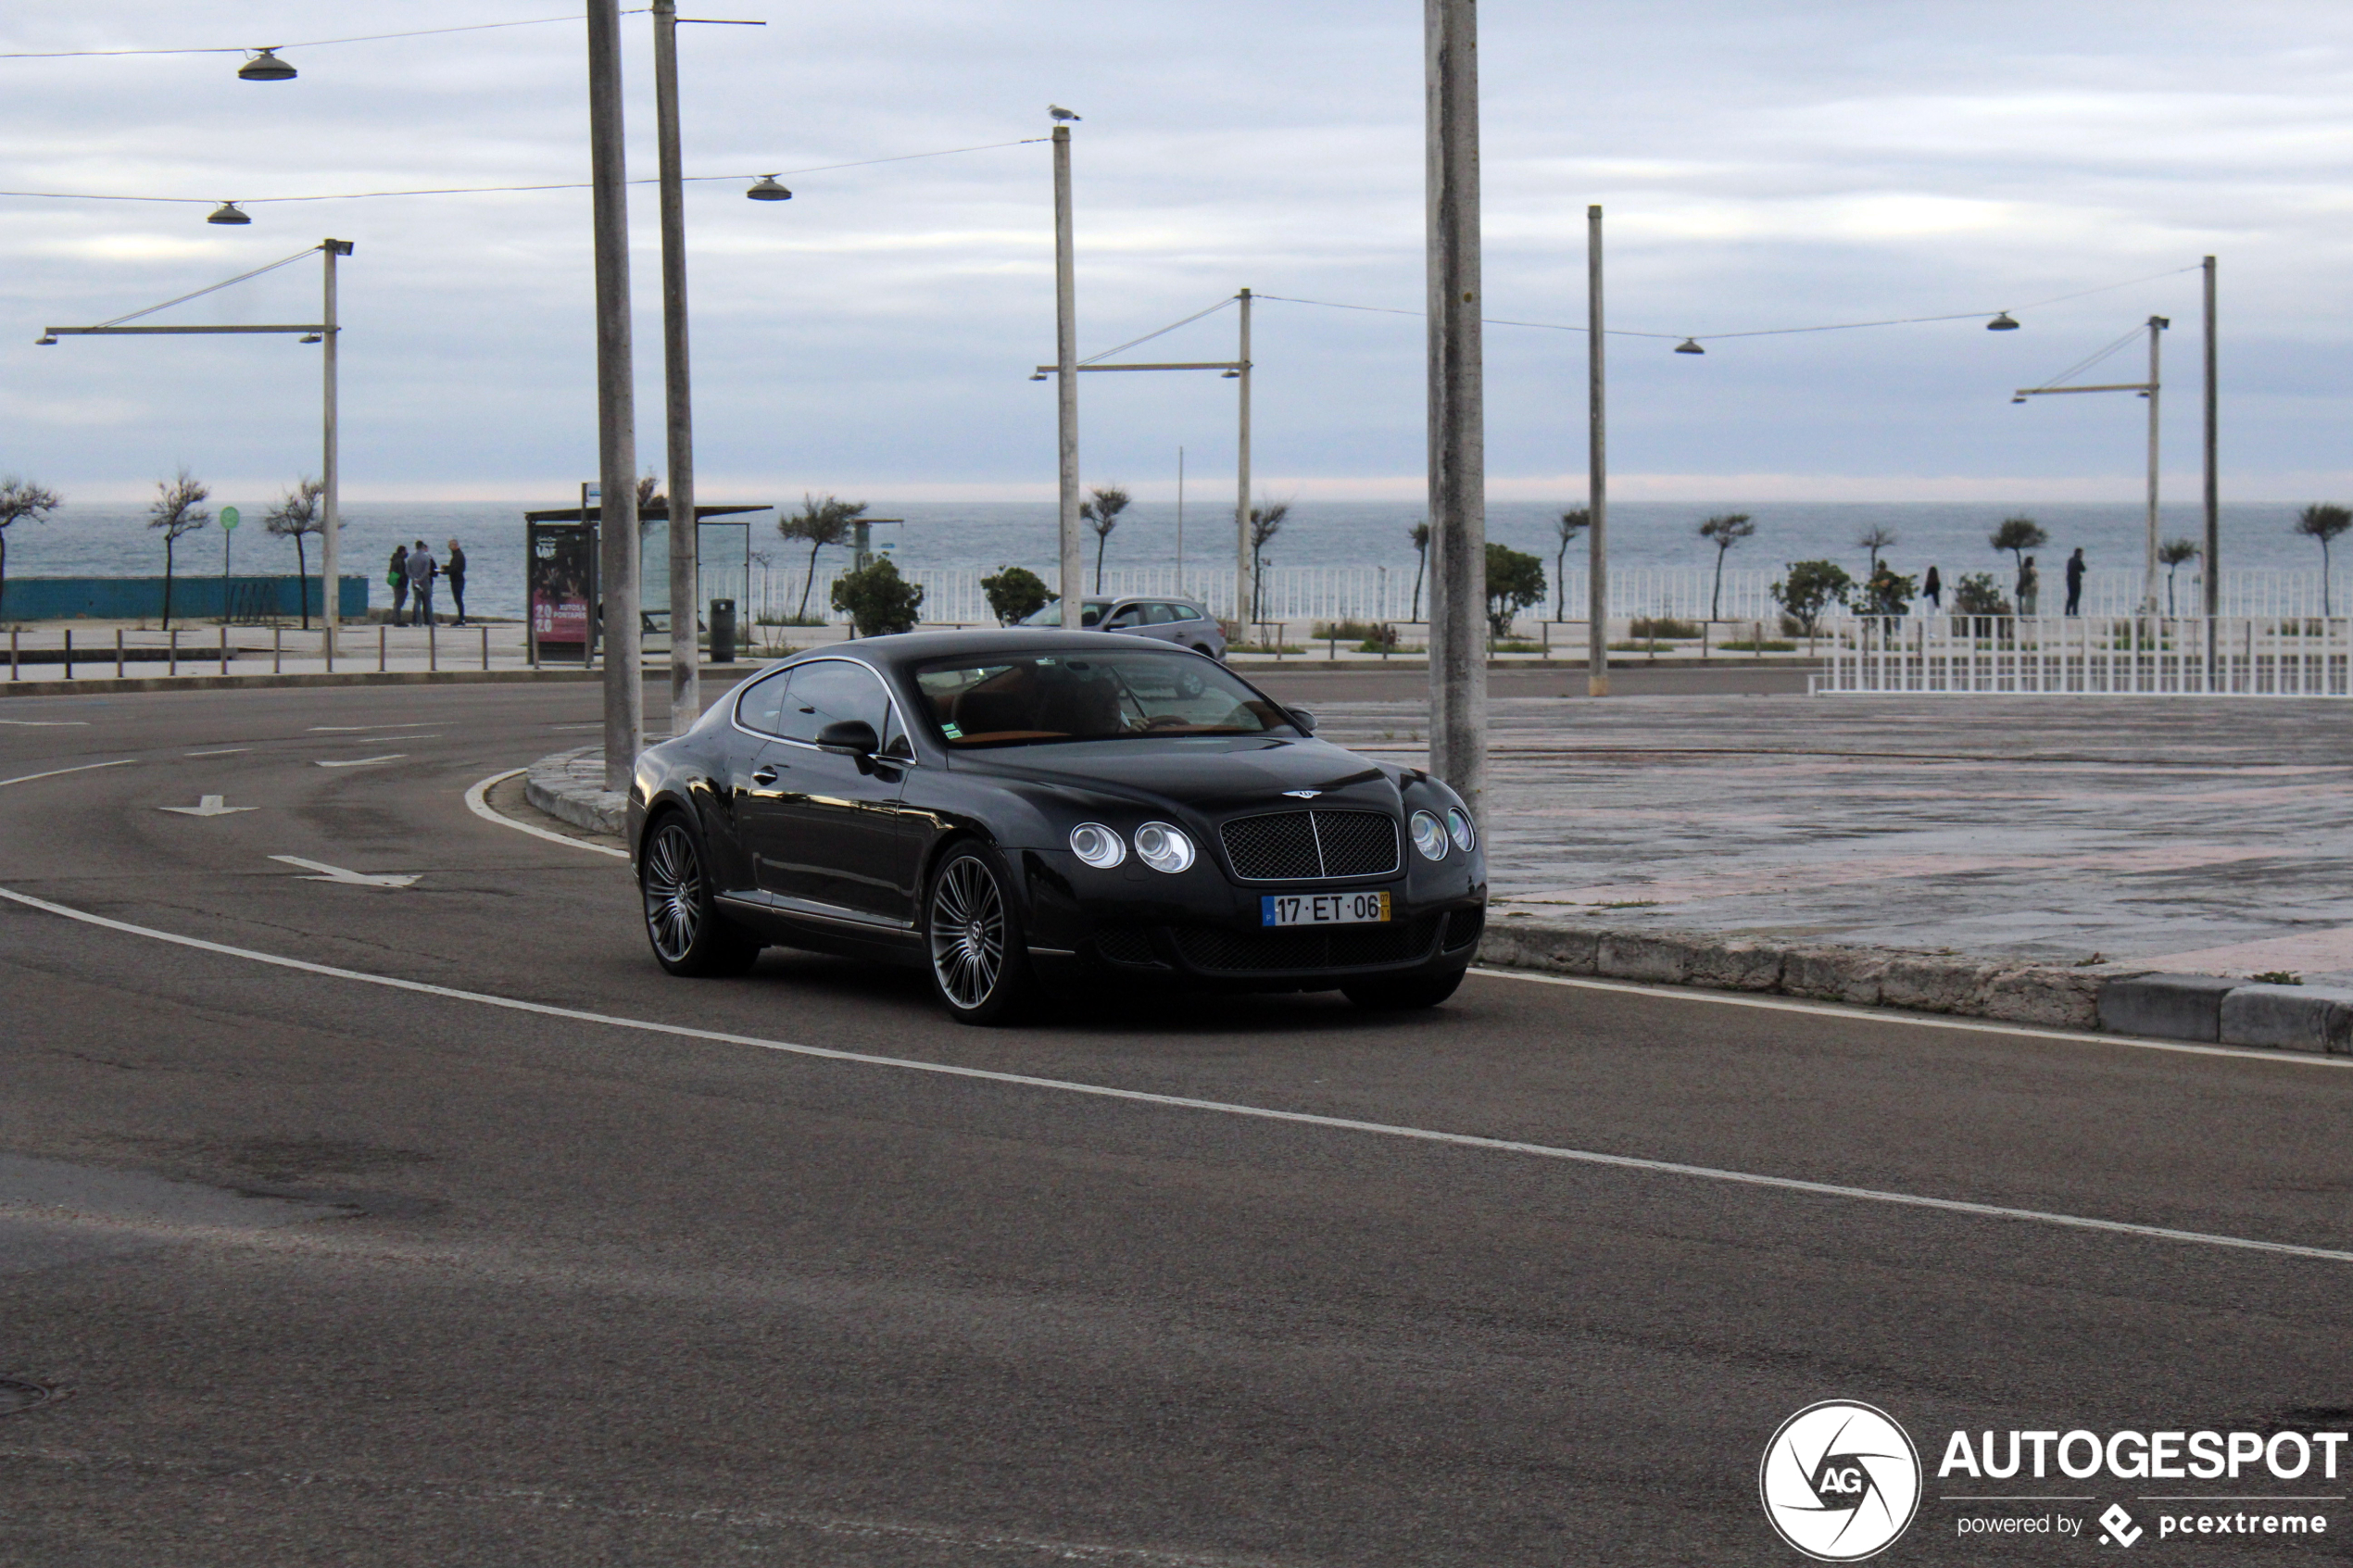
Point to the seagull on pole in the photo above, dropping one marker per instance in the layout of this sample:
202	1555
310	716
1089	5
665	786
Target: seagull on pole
1059	112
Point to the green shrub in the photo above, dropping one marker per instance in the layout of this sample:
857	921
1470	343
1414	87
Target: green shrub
1663	626
1373	634
1514	581
1015	594
1976	595
1810	590
877	600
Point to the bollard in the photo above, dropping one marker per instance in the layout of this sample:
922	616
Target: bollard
12	654
69	653
277	650
485	647
381	633
1331	649
224	647
117	653
432	648
172	642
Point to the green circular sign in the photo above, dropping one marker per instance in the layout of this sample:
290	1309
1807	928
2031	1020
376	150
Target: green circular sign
229	520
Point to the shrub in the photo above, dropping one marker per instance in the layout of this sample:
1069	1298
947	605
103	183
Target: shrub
1016	593
1889	593
1976	595
1514	581
877	600
1663	626
1810	590
1372	634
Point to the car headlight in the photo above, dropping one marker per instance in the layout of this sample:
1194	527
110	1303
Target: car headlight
1163	848
1428	837
1459	829
1097	845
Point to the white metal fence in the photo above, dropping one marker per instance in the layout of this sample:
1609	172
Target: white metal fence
2126	656
1389	593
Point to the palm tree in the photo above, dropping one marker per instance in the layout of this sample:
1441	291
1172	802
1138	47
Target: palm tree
1724	532
296	517
2174	552
20	501
1875	538
178	510
1101	514
821	523
1419	534
1264	524
2324	521
1570	525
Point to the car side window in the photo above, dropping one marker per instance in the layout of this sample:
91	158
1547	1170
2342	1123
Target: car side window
758	705
829	691
1182	612
894	739
1160	614
1129	615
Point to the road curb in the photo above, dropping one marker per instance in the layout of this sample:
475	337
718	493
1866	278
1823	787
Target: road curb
105	685
570	787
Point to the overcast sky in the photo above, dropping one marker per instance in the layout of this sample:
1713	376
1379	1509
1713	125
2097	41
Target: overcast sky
1762	165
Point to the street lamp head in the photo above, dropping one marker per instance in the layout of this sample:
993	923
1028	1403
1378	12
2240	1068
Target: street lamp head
1059	112
46	340
265	67
2002	322
1040	376
2017	399
765	189
1689	346
227	213
311	337
1231	375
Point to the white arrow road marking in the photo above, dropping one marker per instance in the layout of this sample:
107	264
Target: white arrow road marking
363	761
208	806
348	878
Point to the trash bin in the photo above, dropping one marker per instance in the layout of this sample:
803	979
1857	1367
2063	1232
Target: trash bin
723	631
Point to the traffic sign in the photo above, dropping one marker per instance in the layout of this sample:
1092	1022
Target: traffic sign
229	520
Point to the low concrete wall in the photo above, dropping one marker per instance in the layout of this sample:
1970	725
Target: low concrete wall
194	596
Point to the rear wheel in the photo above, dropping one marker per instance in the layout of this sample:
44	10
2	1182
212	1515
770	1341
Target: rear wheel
690	935
979	960
1407	995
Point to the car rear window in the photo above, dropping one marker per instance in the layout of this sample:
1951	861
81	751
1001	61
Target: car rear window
1032	698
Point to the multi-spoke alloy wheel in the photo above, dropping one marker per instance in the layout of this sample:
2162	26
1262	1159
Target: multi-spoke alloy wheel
978	964
689	935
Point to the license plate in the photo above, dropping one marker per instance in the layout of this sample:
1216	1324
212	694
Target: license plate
1323	909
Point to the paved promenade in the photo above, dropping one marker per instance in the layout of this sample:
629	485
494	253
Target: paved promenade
2196	834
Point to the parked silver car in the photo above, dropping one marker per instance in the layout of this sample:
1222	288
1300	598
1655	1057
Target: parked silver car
1182	622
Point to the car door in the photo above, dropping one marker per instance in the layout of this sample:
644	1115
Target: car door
1134	619
836	841
744	794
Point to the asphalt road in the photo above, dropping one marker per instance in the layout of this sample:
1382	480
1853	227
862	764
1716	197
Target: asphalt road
325	1270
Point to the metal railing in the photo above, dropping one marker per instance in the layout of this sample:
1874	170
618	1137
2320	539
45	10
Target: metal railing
2095	656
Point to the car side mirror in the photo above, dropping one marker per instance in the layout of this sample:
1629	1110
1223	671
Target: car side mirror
1303	719
848	737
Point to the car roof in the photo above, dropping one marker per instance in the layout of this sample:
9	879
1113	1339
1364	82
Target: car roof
905	648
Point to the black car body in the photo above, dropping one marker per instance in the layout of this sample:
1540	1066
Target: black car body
835	799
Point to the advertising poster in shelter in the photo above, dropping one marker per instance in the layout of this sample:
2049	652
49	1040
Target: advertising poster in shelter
562	587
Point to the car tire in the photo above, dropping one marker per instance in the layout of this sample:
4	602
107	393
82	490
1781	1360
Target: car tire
976	948
689	934
1403	995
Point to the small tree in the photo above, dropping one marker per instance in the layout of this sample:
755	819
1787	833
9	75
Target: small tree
2018	535
1977	594
1724	532
1810	590
2174	552
1514	581
1100	512
178	510
648	492
877	600
2324	521
820	523
1875	538
1888	593
297	516
1264	524
20	501
1419	534
1015	594
1565	528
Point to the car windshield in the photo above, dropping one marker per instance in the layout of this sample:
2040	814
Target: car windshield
1026	699
1050	619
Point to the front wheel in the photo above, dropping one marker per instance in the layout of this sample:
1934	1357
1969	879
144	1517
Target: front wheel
979	961
1402	996
690	935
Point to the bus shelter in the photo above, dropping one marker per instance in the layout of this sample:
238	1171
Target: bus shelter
564	603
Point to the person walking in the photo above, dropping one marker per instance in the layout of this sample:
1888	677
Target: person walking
420	570
2030	585
1933	588
397	577
2075	580
454	569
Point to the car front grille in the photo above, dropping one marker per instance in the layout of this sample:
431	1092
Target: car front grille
1125	944
1308	846
1245	952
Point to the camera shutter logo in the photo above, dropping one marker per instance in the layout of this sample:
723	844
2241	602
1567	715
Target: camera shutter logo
1841	1481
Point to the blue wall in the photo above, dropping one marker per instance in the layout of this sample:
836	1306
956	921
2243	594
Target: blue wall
140	598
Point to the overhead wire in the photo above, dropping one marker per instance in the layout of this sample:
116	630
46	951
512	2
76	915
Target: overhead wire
1163	332
308	44
214	288
2088	361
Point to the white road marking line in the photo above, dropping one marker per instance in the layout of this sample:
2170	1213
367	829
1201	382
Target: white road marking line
208	806
58	773
1222	1108
363	761
370	740
362	729
224	751
48	723
477	802
1920	1021
349	878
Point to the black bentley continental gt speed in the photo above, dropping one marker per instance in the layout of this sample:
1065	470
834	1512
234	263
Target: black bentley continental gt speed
1017	811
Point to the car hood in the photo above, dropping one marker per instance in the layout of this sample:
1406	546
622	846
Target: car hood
1212	776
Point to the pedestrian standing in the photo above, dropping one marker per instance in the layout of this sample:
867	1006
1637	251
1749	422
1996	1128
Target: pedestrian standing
397	579
454	569
420	570
2075	580
2030	585
1933	588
